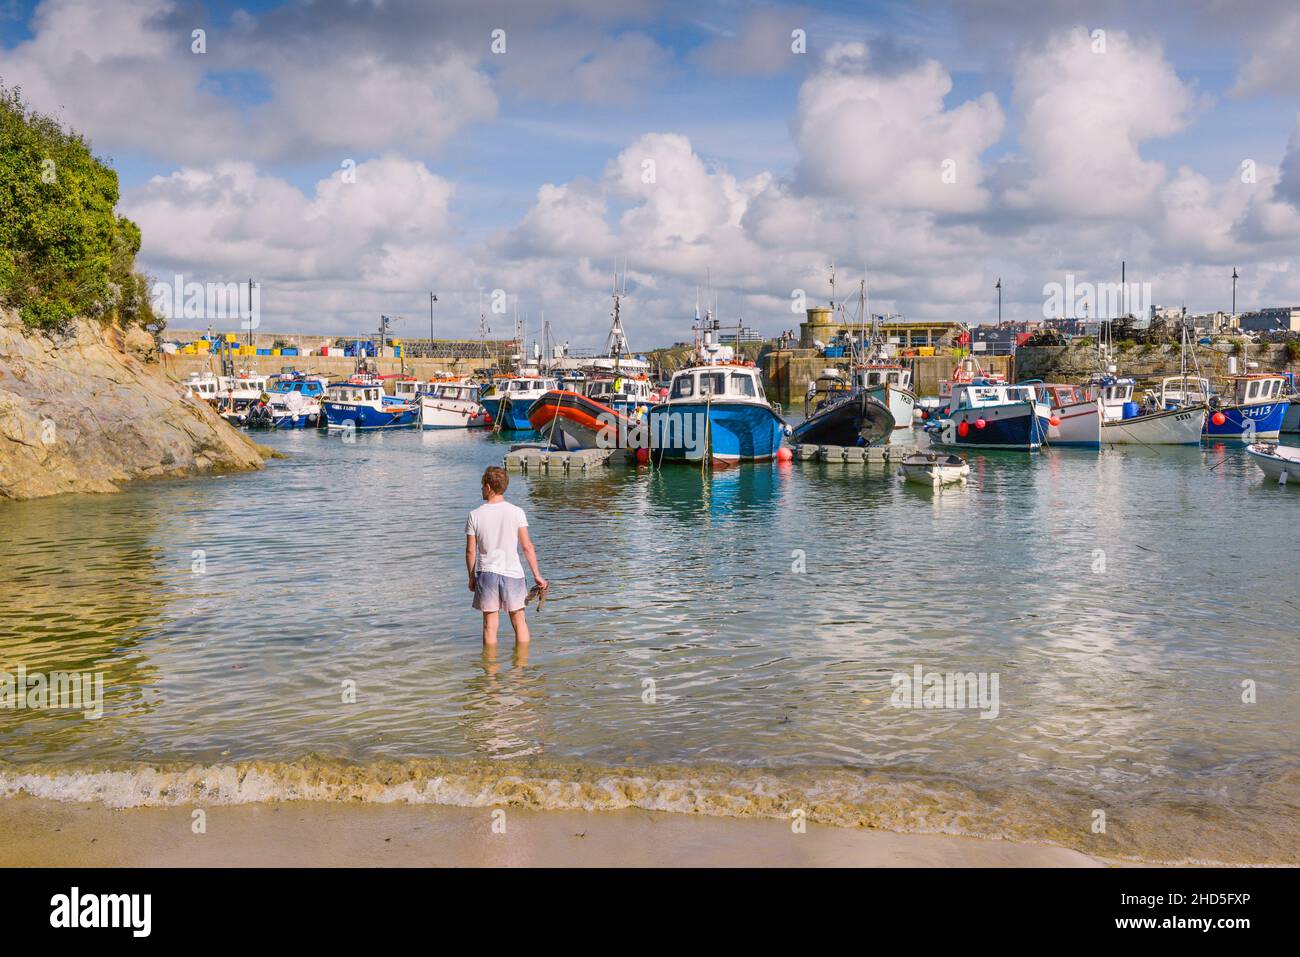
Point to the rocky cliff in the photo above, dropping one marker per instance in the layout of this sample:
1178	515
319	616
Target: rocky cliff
86	410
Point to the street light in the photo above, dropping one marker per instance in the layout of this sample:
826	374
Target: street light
432	300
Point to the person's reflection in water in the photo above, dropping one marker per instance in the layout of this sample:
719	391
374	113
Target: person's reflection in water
502	719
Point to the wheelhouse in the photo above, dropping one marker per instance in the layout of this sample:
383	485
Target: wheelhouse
1252	389
715	382
356	393
1185	390
975	395
872	376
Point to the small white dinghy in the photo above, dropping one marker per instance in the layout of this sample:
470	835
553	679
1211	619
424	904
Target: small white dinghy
935	468
1277	461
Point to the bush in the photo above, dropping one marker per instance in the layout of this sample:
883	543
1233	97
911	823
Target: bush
1293	350
64	251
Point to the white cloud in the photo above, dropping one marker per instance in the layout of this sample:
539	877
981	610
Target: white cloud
1085	117
1274	59
887	139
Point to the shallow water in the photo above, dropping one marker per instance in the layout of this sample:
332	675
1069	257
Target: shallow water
683	661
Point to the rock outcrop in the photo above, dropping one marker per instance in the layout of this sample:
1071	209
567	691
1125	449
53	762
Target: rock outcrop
90	409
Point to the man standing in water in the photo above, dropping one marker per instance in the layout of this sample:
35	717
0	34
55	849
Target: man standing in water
496	530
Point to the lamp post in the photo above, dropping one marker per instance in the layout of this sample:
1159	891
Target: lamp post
432	300
998	287
1234	292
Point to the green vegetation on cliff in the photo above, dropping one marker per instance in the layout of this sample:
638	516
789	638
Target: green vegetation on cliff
64	251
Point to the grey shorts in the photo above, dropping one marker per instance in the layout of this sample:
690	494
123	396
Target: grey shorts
493	592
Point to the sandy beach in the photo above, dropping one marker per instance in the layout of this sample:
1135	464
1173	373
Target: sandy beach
40	833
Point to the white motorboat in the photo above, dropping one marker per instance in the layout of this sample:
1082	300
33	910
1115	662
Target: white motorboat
1279	462
935	468
452	404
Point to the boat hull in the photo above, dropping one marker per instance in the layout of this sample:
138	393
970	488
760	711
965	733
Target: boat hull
576	422
900	403
1078	426
509	414
437	413
724	431
1291	421
861	419
1277	463
348	415
927	468
1171	427
1015	427
1260	420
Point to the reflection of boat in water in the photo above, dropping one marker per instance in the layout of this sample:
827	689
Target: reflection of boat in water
854	418
1278	462
934	468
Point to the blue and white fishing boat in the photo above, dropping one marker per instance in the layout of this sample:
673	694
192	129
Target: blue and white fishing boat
512	398
716	411
295	400
1253	409
984	414
362	404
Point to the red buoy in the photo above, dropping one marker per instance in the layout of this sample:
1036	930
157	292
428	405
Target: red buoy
1218	418
642	456
1055	421
963	428
980	423
784	455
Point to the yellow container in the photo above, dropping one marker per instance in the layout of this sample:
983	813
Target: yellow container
926	350
275	352
232	337
188	350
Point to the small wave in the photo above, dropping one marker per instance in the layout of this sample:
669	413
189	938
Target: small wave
834	797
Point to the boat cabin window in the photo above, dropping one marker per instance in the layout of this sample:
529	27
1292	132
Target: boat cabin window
742	384
713	383
683	387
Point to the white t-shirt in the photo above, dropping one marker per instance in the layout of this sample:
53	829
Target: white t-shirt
496	527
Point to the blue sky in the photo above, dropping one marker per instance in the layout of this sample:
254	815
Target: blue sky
520	171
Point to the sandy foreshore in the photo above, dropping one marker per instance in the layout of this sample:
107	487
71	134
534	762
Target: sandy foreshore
41	833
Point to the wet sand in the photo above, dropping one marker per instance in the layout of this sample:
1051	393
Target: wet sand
41	833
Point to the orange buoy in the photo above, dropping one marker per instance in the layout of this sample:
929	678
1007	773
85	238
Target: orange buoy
784	455
1218	418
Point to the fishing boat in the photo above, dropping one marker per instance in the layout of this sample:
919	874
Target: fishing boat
361	403
574	421
716	411
850	418
235	393
512	398
934	468
204	386
407	388
891	385
1278	462
1254	407
1126	422
452	404
985	414
1076	416
1291	421
294	400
